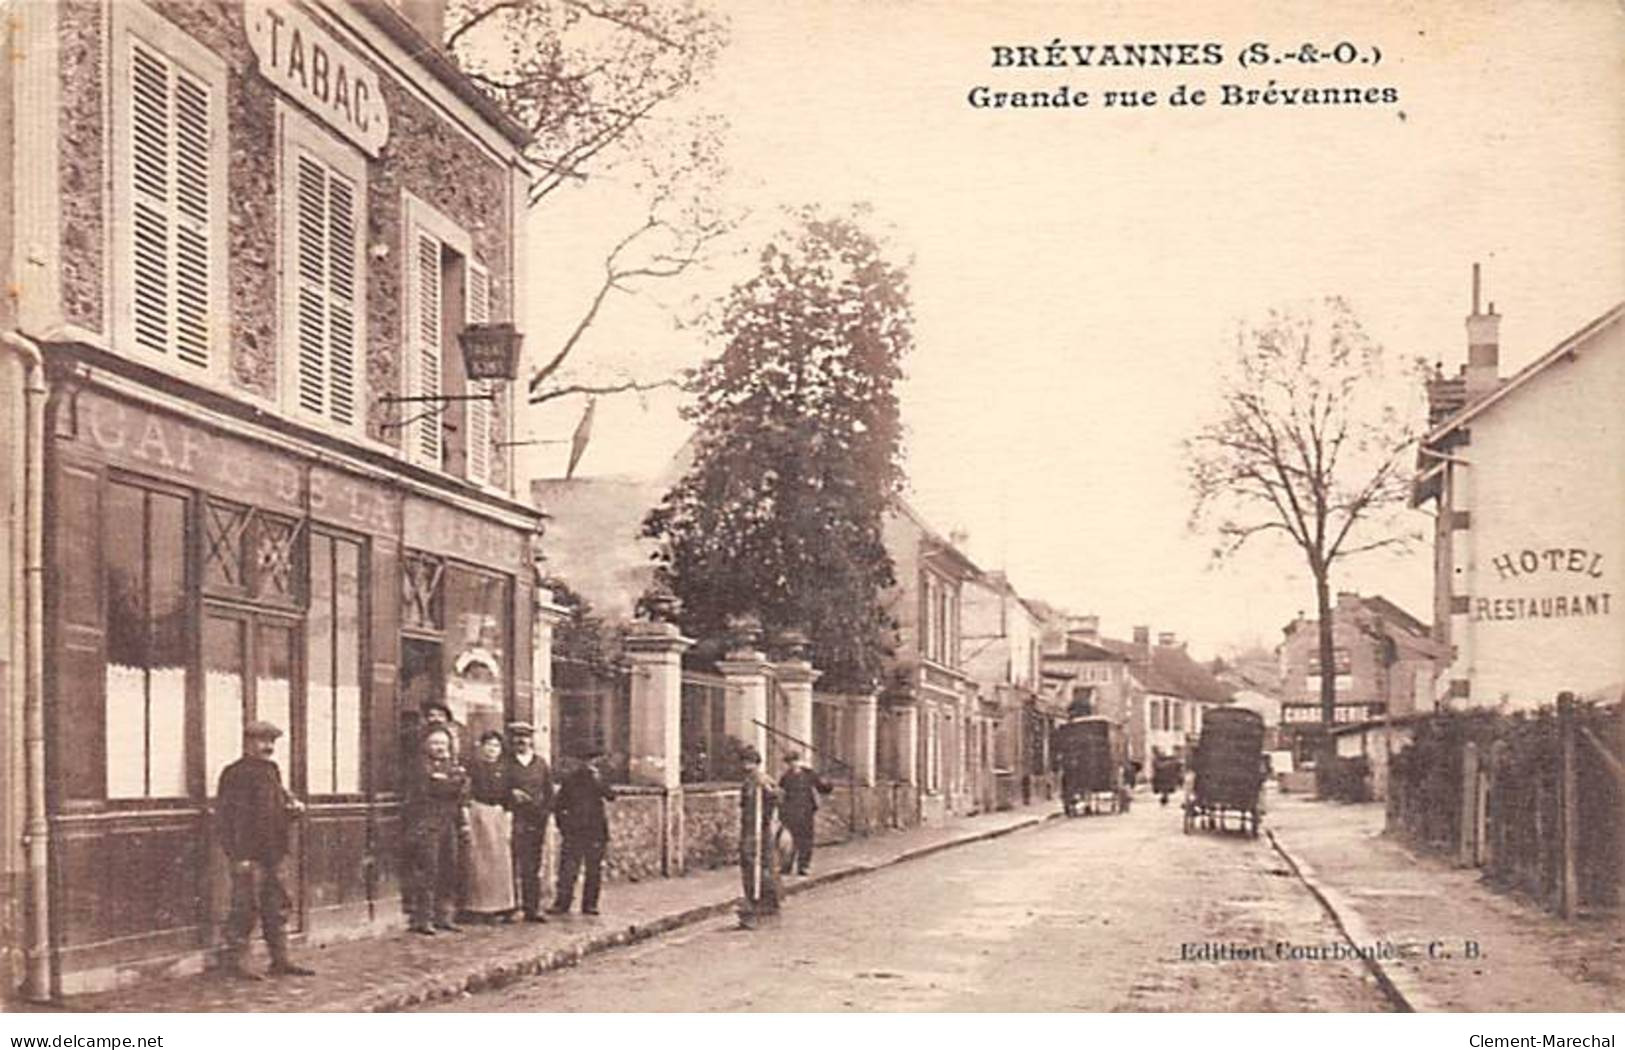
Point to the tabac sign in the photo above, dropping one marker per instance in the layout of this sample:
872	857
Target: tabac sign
305	61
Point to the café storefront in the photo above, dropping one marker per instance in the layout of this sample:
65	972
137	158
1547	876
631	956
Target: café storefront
208	566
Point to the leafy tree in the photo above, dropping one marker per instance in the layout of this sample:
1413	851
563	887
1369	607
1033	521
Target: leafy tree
600	85
797	452
582	643
1311	441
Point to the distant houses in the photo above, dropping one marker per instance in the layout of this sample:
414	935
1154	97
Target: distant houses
1158	693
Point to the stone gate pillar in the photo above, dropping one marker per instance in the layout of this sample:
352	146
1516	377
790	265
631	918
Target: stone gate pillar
655	651
864	709
745	707
908	742
796	678
548	616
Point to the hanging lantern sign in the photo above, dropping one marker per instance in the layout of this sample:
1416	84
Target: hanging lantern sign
490	351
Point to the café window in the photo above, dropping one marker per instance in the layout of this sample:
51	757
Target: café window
457	625
252	553
144	562
334	667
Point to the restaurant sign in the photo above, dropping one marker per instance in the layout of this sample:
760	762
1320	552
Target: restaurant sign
1562	577
306	63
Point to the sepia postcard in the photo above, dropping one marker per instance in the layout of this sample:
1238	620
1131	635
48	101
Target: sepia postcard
678	506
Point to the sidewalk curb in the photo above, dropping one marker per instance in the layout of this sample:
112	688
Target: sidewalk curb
1401	988
500	971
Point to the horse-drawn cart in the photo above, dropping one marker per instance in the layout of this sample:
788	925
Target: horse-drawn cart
1228	769
1089	753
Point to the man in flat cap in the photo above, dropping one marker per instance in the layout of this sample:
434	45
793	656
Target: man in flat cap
532	784
578	809
799	789
254	811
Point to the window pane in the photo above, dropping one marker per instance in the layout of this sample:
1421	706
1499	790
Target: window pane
319	670
347	668
223	641
476	635
166	686
126	680
273	687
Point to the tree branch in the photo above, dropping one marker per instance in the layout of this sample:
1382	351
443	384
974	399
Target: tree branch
474	20
537	398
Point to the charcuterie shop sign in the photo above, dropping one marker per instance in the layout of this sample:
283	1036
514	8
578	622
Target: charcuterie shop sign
305	61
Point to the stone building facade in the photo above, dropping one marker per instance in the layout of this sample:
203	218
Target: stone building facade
1003	639
1384	662
244	232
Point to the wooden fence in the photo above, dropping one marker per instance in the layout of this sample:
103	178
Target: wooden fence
1535	799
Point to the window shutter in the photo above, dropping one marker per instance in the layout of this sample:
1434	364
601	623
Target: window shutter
342	294
310	313
325	295
170	169
479	412
426	342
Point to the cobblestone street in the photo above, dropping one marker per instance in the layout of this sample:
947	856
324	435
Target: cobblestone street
1084	914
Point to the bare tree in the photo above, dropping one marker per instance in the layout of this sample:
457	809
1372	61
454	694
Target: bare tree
587	78
678	227
600	86
1311	442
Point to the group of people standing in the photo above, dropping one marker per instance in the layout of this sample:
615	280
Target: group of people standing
474	837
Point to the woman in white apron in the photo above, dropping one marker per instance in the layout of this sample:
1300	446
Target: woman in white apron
490	826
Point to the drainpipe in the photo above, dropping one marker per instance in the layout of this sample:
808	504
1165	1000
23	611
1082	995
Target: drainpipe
36	829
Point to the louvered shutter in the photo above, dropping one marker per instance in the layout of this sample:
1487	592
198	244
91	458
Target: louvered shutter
479	412
170	169
325	294
425	336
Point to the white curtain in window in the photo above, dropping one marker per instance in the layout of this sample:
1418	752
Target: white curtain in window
166	739
223	723
126	731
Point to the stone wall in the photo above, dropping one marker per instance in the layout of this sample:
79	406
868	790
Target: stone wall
84	144
711	827
636	834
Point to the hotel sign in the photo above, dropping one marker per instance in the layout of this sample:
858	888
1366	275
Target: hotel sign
304	60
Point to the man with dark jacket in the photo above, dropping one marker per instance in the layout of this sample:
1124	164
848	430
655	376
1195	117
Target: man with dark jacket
532	784
799	789
434	819
578	809
254	812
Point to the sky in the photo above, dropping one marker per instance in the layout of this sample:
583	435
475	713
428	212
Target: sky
1078	274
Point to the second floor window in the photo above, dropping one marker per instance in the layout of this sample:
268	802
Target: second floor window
447	289
324	185
169	192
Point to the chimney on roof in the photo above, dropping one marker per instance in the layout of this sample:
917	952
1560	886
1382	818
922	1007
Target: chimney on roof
1482	374
1085	628
1166	639
428	17
959	537
1142	642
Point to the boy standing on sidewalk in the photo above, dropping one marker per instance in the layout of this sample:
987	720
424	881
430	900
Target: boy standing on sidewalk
758	855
